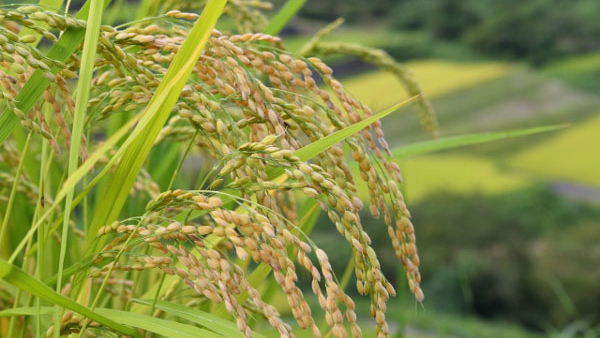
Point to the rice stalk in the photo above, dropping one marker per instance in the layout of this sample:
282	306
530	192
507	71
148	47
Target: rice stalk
270	136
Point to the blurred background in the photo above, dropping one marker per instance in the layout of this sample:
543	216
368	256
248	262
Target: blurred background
509	231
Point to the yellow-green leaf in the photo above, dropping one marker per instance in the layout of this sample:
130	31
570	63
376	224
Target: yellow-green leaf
155	116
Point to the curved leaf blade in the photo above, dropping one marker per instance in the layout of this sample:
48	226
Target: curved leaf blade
307	152
37	83
283	16
466	140
26	282
155	116
163	327
210	321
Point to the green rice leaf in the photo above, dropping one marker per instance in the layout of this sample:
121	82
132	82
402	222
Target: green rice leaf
90	44
20	279
26	311
466	140
155	116
162	327
307	152
283	16
210	321
37	83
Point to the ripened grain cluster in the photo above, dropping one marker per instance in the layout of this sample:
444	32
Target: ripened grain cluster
247	108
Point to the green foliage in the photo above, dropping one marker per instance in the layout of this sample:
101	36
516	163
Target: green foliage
188	167
582	71
509	258
495	255
537	30
17	277
267	133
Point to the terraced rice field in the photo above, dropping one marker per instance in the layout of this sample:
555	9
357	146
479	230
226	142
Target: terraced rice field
381	90
487	96
572	155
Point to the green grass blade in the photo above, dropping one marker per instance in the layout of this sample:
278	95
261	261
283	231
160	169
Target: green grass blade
26	311
13	191
86	70
37	83
78	175
210	321
155	116
283	16
317	147
20	279
466	140
162	327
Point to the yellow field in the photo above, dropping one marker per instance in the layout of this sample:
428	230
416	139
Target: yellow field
457	174
381	90
573	155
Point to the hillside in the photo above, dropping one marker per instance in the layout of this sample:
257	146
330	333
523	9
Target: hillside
476	97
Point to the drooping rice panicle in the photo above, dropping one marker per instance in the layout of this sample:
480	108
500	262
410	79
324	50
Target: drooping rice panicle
247	108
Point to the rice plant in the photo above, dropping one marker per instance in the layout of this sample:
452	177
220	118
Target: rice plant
105	229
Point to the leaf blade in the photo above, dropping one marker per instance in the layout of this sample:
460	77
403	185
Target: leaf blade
284	15
159	326
26	282
307	152
156	114
468	139
90	44
37	83
167	328
210	321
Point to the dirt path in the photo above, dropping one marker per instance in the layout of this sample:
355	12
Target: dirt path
577	191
